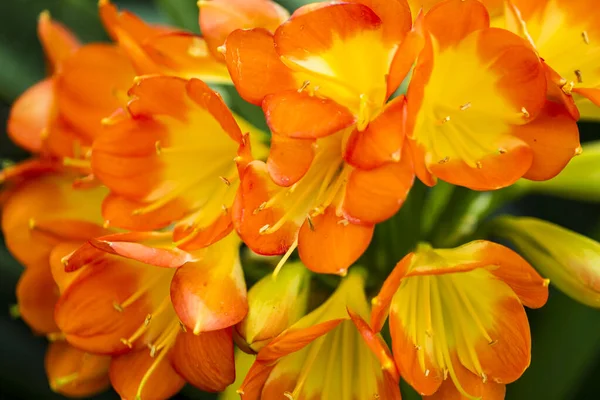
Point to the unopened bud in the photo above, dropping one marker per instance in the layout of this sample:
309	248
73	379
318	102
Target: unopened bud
570	260
274	304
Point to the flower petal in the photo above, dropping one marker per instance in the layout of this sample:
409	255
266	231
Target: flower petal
74	373
254	65
330	244
484	391
36	296
30	115
194	235
405	56
375	195
137	375
210	294
299	115
218	18
395	16
257	188
289	159
205	360
554	139
58	41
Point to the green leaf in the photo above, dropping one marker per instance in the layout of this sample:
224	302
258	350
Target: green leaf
181	13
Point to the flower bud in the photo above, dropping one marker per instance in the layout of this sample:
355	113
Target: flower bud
570	260
275	303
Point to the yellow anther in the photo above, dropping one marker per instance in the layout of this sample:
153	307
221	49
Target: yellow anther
342	272
106	224
222	49
493	342
304	86
262	206
224	208
288	395
479	165
310	223
396	156
117	307
444	160
525	112
578	150
126	342
578	75
546	282
501	150
344	222
240	392
264	228
567	88
465	106
225	180
446	119
158	148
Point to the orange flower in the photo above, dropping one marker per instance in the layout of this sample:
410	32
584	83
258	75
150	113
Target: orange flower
477	110
59	116
324	356
40	213
336	165
149	157
165	323
560	31
459	313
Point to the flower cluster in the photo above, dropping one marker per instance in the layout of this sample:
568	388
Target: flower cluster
144	187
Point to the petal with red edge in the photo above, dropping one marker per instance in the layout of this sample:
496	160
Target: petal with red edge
58	41
252	387
193	235
30	115
375	195
218	18
75	373
249	219
210	294
205	360
330	244
299	115
405	56
554	139
137	375
36	295
395	16
289	159
254	65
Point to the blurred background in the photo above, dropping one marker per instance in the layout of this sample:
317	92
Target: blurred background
566	335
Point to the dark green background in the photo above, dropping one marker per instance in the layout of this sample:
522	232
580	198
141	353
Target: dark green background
566	335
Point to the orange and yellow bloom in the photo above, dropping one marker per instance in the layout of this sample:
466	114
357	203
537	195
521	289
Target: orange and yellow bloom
457	320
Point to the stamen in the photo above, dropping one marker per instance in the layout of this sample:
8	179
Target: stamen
578	150
314	351
285	257
264	229
525	112
501	150
568	87
546	282
479	165
465	106
586	38
344	222
304	86
446	119
115	305
310	223
225	180
76	162
240	392
578	75
444	160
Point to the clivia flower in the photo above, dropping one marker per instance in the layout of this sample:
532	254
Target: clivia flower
457	320
329	353
564	33
336	165
165	322
477	109
171	157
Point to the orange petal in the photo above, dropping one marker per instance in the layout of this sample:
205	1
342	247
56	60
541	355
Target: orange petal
421	170
377	345
395	16
289	159
509	355
302	116
554	139
36	295
92	83
186	55
589	93
381	141
252	387
89	311
493	171
407	360
375	195
58	41
293	340
331	244
30	115
196	236
255	189
117	244
218	18
254	65
383	300
451	21
210	294
74	373
405	56
62	277
205	360
137	375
